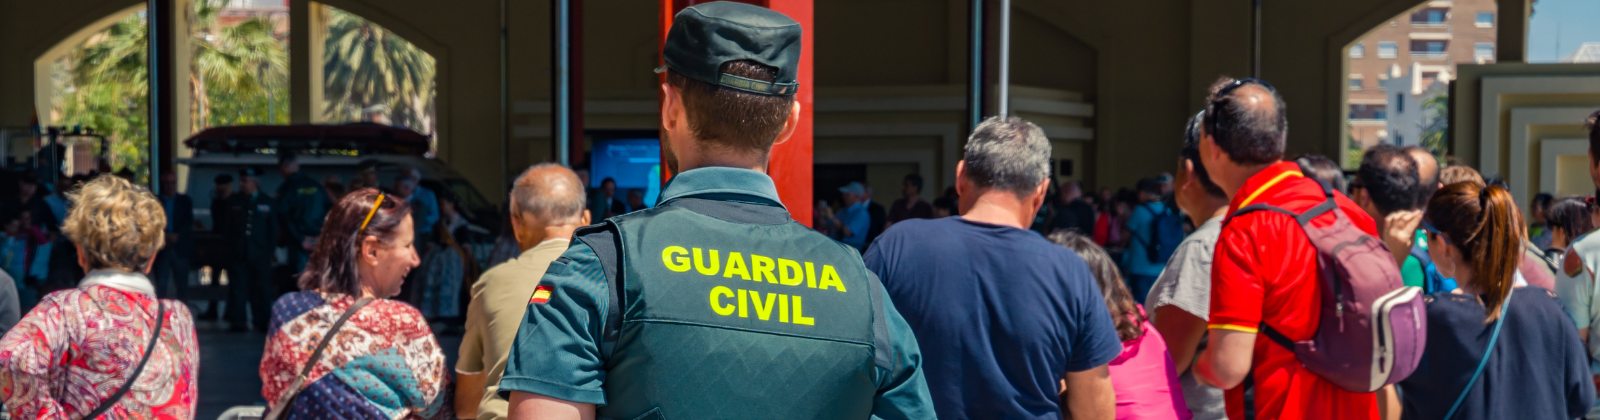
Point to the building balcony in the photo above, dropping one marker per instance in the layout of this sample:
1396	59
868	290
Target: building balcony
1429	25
1422	55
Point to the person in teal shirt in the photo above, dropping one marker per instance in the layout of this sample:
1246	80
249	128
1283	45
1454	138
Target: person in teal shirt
715	303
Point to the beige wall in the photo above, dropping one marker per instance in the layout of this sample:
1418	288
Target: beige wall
1143	65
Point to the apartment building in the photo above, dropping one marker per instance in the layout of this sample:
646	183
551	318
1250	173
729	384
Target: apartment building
1422	46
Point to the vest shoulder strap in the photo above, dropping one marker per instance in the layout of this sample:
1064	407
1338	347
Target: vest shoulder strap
602	238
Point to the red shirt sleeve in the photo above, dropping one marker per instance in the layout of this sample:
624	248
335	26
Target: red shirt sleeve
1236	289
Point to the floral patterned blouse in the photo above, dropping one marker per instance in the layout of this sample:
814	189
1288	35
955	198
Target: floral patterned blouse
77	347
383	364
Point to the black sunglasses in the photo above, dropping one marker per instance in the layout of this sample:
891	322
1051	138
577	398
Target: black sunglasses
1216	119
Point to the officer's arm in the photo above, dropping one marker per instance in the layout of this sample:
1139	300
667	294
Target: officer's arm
555	365
529	406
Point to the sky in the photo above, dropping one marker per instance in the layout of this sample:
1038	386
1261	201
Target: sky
1576	22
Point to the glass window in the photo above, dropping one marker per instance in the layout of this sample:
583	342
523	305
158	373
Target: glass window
1429	48
1483	50
1431	16
1388	49
1485	19
1358	50
1400	102
1355	83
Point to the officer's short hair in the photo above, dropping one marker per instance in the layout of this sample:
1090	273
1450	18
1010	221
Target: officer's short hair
733	119
550	192
1008	153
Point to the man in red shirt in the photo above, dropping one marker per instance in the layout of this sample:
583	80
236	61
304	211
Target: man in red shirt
1265	270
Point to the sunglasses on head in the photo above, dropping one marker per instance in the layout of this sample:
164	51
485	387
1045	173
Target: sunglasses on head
1433	231
1216	119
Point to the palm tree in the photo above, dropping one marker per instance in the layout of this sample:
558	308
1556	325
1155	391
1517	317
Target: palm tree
370	68
1436	120
244	60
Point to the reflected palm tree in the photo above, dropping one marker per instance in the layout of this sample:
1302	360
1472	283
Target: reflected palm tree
373	75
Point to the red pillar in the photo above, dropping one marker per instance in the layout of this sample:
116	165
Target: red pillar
791	161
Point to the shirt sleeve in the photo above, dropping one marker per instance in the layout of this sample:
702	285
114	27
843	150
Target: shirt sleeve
32	349
1236	288
1575	296
557	349
1094	341
902	388
1186	282
470	359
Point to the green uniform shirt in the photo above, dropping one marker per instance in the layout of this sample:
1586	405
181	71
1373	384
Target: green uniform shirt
557	352
1412	271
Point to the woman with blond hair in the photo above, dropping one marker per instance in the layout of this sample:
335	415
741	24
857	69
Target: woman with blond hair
340	348
107	347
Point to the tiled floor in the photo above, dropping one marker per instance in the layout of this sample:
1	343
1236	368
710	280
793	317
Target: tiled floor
230	365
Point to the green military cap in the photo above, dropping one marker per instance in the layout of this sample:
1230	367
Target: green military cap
705	36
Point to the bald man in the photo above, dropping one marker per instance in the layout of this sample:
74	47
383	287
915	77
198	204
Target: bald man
547	204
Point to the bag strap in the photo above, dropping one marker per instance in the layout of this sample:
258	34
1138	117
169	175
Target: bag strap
1493	337
155	337
282	408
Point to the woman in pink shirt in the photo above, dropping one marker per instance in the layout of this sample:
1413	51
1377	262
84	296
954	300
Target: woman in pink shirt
1145	380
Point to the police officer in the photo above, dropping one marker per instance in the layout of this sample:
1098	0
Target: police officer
715	303
303	204
252	227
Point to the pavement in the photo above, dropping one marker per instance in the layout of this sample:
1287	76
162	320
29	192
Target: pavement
230	365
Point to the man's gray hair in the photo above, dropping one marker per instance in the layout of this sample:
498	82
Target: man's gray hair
1008	153
554	196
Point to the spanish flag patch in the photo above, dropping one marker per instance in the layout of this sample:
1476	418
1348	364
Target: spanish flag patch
540	295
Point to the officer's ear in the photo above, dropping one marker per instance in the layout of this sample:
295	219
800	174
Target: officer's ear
585	218
789	125
671	106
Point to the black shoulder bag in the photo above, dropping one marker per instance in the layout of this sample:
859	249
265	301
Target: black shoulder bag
155	337
293	391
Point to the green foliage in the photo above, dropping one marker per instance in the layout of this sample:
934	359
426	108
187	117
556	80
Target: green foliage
1435	121
239	76
370	70
1352	152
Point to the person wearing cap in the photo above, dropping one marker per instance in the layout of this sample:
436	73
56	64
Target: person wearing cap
251	232
776	321
853	222
303	205
221	204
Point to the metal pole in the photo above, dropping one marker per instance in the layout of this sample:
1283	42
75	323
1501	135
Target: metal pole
975	61
1004	90
158	17
505	95
563	81
1255	39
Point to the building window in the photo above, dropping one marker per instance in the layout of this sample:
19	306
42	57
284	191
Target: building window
1355	82
1429	49
1388	49
1358	50
1430	16
1485	19
1483	50
1400	103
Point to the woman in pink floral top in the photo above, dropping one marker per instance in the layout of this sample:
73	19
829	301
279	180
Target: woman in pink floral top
79	346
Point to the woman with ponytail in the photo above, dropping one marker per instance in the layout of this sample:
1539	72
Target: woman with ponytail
1495	350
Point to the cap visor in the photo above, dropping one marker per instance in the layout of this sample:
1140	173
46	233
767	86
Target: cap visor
661	69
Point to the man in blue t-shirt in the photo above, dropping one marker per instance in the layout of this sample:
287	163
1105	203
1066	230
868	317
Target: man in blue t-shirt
1140	267
1004	314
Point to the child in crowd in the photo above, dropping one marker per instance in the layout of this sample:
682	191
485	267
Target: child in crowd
1145	380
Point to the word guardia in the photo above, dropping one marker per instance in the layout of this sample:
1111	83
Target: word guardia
760	269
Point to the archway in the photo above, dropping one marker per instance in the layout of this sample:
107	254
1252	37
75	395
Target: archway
370	70
1397	70
95	78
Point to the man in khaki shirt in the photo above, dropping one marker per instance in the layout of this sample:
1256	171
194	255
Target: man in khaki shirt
547	204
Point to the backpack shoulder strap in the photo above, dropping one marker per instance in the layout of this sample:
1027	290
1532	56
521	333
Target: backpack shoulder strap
1277	337
155	337
602	238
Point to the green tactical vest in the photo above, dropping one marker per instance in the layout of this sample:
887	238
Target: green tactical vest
725	320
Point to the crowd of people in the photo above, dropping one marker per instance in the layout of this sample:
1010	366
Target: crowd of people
1242	285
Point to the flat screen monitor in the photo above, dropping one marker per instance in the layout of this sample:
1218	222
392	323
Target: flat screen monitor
635	163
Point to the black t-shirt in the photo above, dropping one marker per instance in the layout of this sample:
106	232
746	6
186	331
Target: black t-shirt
1075	215
1538	370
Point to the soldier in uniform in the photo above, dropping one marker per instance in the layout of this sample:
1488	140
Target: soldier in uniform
304	205
252	227
716	303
